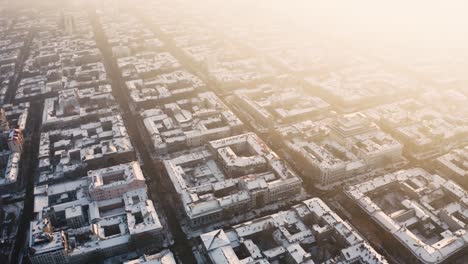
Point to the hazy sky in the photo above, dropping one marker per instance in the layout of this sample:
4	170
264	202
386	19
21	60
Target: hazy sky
434	21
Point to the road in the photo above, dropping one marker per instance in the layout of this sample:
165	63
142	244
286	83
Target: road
11	92
28	170
181	247
28	157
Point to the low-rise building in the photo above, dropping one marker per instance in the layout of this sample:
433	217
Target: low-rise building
147	64
67	153
189	123
73	106
99	215
454	165
63	55
357	83
13	121
126	34
308	233
163	88
272	105
229	177
338	149
15	32
37	88
163	257
229	74
424	212
425	132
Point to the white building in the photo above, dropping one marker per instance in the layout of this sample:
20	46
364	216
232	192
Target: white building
356	83
71	152
163	257
76	106
308	233
147	64
426	132
13	119
427	214
231	176
454	165
112	182
189	123
272	105
62	56
337	149
230	73
73	224
163	88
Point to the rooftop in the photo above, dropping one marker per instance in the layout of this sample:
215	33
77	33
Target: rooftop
424	212
359	83
426	132
163	257
101	224
69	152
127	35
163	88
61	57
245	71
271	105
302	234
147	64
341	147
454	165
73	106
189	122
226	173
13	121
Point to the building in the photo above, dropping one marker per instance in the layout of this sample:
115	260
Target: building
338	149
308	233
268	106
13	121
189	123
62	55
68	153
163	257
36	88
454	165
425	213
356	83
74	106
113	182
127	35
230	177
15	140
425	132
230	73
147	64
75	223
164	88
15	31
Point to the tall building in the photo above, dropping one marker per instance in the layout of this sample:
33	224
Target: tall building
15	140
4	126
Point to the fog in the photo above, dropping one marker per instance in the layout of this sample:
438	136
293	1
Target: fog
240	131
402	32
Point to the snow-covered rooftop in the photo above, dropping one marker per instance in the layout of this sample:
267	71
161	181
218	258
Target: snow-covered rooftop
189	122
226	174
424	212
69	218
299	234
